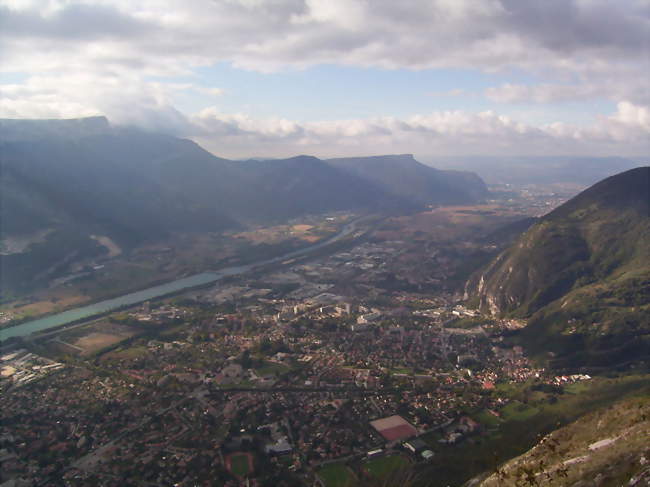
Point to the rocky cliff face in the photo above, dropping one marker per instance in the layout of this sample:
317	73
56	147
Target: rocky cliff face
540	267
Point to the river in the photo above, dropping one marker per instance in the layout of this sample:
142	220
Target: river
101	307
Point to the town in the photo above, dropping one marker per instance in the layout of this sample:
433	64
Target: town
319	371
353	385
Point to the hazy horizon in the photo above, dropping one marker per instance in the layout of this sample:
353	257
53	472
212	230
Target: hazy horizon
426	158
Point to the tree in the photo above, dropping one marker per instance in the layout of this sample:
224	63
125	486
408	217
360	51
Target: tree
246	361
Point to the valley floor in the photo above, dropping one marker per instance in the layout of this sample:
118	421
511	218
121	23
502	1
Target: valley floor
357	366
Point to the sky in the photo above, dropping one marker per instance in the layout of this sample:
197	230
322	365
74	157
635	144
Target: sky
276	78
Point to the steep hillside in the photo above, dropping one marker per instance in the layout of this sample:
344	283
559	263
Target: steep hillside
581	274
57	193
404	177
604	448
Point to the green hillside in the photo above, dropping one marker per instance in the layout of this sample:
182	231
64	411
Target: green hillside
607	448
581	275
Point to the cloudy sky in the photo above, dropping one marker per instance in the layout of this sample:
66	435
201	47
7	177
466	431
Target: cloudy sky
340	77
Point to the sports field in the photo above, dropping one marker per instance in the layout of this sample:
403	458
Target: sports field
337	475
240	464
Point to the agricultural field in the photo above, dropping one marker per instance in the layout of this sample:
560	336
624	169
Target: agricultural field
448	223
310	230
129	353
487	419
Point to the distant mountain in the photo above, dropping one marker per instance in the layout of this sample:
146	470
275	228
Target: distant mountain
581	275
583	171
66	180
118	183
404	177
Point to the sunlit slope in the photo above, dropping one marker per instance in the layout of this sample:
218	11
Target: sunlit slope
605	448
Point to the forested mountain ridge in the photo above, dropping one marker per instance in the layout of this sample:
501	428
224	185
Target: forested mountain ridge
581	275
64	181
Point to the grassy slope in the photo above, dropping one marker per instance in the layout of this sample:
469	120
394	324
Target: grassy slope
522	424
565	457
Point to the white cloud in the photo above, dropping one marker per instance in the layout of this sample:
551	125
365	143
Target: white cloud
547	93
635	116
490	34
126	100
84	57
439	133
627	84
209	91
452	92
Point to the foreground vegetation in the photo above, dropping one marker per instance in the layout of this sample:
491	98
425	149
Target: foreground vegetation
534	412
609	446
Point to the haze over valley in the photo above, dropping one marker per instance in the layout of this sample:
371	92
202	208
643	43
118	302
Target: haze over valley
324	243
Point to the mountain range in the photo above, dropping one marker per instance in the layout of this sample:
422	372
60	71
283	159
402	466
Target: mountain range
65	180
581	276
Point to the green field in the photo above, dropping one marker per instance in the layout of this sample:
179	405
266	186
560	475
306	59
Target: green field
577	387
130	353
402	370
337	475
239	465
271	368
487	419
518	411
383	466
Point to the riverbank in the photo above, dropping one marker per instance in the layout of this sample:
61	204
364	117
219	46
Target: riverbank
100	308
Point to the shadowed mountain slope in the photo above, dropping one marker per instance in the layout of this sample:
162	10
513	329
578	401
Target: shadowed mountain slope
66	180
404	177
